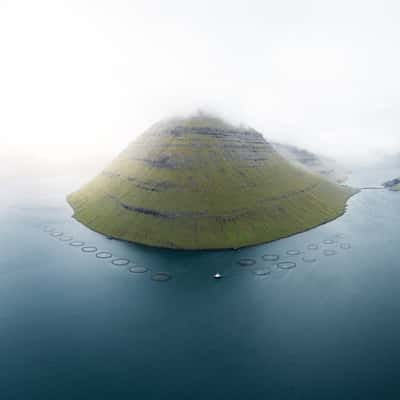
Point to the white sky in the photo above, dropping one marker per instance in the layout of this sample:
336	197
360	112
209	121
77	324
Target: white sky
79	78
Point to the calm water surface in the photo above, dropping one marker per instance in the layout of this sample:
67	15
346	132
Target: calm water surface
321	322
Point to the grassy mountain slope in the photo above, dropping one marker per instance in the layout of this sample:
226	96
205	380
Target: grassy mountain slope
200	183
328	168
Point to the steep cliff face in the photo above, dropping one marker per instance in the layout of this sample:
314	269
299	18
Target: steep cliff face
200	183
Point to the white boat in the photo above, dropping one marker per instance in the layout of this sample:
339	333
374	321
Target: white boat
217	275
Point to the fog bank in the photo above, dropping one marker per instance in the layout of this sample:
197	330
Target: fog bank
83	78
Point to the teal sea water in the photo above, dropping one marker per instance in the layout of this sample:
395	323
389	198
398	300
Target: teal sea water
313	316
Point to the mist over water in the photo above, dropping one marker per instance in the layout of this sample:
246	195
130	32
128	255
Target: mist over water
84	78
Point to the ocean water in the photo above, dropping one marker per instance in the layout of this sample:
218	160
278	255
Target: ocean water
313	316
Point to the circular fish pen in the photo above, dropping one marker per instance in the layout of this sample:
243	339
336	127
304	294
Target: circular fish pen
56	233
312	246
293	252
247	262
286	265
261	271
328	241
120	261
103	254
65	238
77	243
161	276
329	252
138	269
345	246
309	259
270	257
89	249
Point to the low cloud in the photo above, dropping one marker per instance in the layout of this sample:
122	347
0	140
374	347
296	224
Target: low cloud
84	78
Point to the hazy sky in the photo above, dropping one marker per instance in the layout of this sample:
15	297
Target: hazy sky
80	77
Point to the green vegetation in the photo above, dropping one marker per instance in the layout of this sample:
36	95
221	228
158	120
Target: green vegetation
199	183
314	163
393	185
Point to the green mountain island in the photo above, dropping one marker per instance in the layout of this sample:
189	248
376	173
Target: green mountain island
202	183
